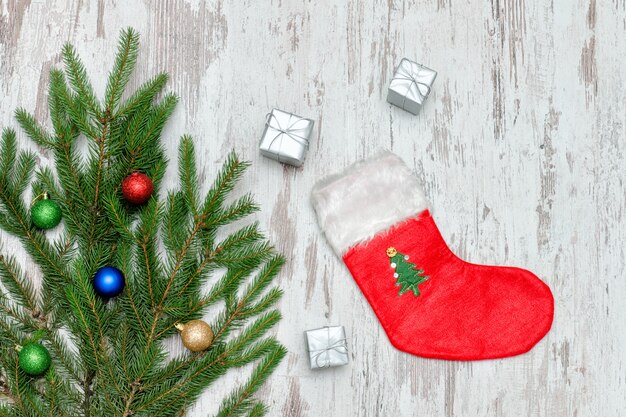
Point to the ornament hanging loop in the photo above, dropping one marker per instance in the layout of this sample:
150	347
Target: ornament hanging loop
43	196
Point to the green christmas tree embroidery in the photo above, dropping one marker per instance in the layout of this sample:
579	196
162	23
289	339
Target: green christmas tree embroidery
408	277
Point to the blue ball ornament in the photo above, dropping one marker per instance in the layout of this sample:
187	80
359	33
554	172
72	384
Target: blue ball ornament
108	282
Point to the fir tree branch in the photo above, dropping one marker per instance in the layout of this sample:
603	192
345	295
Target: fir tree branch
239	402
131	397
144	96
100	142
9	333
92	359
62	354
17	398
33	129
120	367
123	67
87	391
120	218
85	294
187	173
259	283
15	314
78	78
51	397
145	238
14	281
27	398
145	129
35	244
258	410
58	397
179	259
22	172
231	172
73	107
135	310
5	391
9	153
67	163
175	222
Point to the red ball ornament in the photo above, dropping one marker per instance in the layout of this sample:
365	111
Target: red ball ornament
137	188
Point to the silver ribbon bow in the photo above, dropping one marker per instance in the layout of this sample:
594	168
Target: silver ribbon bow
412	75
291	130
337	345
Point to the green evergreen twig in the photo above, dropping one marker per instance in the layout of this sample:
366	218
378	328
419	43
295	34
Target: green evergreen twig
109	358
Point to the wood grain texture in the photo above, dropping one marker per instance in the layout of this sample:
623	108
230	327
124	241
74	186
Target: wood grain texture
520	148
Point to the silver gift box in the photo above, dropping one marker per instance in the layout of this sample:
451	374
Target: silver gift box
327	347
286	137
410	86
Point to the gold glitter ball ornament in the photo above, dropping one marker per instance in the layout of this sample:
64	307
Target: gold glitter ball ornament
196	335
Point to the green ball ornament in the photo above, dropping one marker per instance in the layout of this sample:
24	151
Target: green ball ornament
45	213
34	359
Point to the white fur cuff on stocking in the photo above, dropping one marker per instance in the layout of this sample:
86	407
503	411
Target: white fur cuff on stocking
367	198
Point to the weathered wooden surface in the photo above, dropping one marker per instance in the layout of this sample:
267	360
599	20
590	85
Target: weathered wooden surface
520	149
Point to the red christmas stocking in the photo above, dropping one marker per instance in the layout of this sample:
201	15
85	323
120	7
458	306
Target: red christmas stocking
430	302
